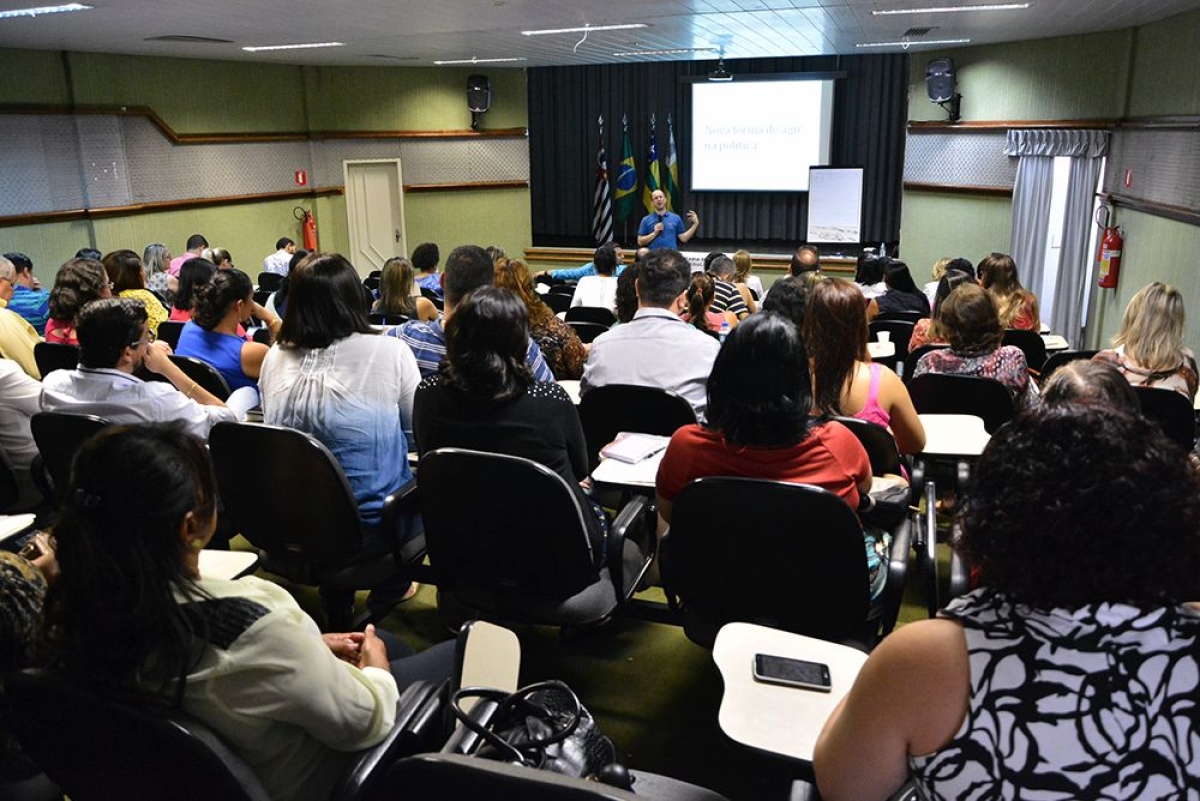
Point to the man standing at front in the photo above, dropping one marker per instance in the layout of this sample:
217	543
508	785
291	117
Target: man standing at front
664	229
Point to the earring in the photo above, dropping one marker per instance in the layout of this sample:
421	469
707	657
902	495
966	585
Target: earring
196	543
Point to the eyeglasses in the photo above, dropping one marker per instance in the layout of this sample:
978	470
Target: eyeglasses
150	337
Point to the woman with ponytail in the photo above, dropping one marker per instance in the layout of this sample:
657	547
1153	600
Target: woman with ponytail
700	296
219	307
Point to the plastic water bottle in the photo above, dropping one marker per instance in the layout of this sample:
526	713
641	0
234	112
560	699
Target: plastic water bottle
724	332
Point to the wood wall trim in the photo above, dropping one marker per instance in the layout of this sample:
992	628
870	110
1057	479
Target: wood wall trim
418	188
1003	125
253	137
1177	213
959	189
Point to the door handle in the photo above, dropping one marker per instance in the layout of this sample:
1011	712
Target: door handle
397	234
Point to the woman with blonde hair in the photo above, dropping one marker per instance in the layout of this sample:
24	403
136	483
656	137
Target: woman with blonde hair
844	381
1149	350
398	292
748	285
1018	306
559	343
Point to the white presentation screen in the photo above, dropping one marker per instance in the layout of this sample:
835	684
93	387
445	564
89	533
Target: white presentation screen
759	135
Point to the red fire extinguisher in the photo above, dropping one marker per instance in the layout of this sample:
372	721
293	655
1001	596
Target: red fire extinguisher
309	226
1110	250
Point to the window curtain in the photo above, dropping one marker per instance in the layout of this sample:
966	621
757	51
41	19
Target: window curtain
1037	150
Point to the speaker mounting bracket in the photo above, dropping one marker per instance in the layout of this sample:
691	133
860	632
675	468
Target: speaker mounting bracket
952	106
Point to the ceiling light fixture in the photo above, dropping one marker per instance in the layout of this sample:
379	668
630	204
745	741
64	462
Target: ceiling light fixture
304	46
949	9
40	10
674	52
478	61
587	29
907	44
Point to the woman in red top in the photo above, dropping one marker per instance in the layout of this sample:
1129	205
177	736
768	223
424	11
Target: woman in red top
759	397
78	282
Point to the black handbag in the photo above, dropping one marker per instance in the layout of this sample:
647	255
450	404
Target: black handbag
543	726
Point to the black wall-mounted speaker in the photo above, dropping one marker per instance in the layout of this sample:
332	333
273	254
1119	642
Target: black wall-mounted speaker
939	80
479	93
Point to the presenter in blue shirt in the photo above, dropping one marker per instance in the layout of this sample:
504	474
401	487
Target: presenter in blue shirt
665	229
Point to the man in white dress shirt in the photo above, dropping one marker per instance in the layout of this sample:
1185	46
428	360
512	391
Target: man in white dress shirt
278	261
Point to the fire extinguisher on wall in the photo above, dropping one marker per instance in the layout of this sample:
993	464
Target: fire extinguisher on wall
1110	250
309	226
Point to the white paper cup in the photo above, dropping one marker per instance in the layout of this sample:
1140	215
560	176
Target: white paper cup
884	336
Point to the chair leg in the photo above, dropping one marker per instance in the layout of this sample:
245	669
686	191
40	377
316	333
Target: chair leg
932	599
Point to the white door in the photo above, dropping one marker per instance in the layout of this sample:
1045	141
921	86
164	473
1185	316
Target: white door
374	212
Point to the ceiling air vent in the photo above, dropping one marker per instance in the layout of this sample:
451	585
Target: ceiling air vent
911	32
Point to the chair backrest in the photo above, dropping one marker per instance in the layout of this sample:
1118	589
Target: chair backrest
95	747
169	332
587	331
1172	411
59	435
261	296
203	374
591	314
910	361
432	296
902	316
384	318
269	282
10	491
501	539
878	442
1057	360
1031	343
608	410
558	302
371	282
939	393
50	356
262	335
297	504
901	333
793	554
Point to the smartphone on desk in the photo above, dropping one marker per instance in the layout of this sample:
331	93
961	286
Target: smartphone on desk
792	672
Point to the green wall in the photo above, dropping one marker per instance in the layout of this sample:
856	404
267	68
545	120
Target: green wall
936	225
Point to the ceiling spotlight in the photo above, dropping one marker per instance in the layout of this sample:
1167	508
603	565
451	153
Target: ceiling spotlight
304	46
720	73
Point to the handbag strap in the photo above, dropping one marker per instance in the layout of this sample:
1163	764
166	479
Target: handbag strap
511	701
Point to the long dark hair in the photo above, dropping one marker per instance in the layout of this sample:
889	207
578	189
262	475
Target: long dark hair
325	303
835	332
699	297
487	338
194	274
112	618
211	301
759	391
124	268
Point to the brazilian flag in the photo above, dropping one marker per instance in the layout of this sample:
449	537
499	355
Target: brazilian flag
626	178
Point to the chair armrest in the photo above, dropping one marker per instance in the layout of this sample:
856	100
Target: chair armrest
418	727
634	514
402	502
893	592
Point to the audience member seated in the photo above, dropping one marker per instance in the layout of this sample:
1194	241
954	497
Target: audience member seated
114	341
759	427
902	294
844	381
1149	349
19	402
277	302
869	275
1080	381
749	285
599	290
196	243
972	324
1071	671
17	336
218	309
626	298
576	273
399	294
656	348
1018	307
727	297
928	331
78	283
333	376
132	616
194	274
23	587
128	278
806	259
218	256
942	267
699	312
559	343
789	297
485	398
425	258
278	262
29	299
159	280
468	267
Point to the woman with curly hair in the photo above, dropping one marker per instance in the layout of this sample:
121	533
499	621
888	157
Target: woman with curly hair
1074	665
128	276
972	325
564	351
1149	349
218	309
844	381
1018	307
78	283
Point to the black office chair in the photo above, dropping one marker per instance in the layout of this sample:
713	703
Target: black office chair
901	316
608	410
51	356
433	297
299	511
588	332
1172	411
504	557
910	361
879	444
558	302
261	296
269	282
59	435
169	332
792	553
901	333
1057	360
1031	343
10	491
383	318
940	393
262	336
591	314
371	283
203	374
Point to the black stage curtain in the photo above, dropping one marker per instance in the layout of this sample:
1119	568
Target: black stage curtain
564	102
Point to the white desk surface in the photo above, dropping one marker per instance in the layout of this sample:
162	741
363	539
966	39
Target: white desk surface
1055	342
881	350
770	717
954	435
572	388
227	565
633	476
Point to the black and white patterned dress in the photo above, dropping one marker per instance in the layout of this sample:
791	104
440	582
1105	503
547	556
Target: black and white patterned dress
1101	702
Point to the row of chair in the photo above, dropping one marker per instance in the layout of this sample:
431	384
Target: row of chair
51	356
